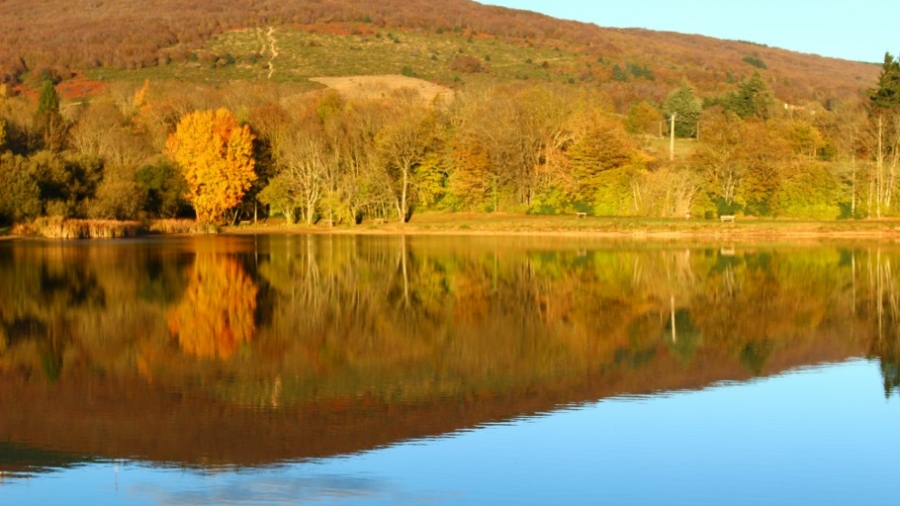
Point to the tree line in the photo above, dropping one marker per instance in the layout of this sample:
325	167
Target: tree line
251	151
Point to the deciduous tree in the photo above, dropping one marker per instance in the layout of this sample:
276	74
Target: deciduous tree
304	164
643	118
471	180
848	135
885	99
719	158
402	145
215	155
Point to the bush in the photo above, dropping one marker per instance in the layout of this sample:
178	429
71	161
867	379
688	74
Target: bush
756	62
117	200
467	64
20	195
613	196
811	192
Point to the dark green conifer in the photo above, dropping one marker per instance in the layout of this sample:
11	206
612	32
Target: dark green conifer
686	107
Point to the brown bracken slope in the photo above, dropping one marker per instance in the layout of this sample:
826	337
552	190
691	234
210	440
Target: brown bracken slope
59	36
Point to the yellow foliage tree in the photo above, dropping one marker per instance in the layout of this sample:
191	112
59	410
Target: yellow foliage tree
215	155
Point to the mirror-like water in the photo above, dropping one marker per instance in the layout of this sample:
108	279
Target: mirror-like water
392	370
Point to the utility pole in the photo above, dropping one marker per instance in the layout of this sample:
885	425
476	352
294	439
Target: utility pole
672	137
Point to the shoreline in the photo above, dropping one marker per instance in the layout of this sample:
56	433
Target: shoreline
628	229
569	227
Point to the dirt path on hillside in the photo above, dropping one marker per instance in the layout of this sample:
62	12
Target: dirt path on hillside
273	48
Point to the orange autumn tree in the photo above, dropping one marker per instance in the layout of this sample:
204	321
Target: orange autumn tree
215	155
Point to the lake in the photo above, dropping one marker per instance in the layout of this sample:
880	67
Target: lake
294	369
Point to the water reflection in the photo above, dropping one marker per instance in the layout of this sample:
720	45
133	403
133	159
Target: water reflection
216	313
250	351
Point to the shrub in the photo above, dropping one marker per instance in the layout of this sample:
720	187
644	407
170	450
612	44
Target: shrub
467	64
810	192
756	62
20	195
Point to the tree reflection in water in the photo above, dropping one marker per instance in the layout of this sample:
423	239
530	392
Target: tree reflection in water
216	312
884	303
336	344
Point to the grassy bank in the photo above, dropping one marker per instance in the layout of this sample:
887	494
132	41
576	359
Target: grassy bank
497	224
600	227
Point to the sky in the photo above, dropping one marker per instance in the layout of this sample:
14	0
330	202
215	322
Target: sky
861	30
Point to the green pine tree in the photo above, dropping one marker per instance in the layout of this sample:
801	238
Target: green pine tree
886	95
752	99
884	99
48	121
686	107
48	101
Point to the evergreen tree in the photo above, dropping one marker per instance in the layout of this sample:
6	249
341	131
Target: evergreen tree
752	99
686	107
48	101
887	94
884	100
48	121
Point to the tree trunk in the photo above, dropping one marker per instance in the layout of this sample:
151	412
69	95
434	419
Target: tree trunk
853	187
404	209
672	139
494	198
879	170
310	210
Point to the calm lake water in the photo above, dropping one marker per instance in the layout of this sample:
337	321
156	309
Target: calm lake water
447	370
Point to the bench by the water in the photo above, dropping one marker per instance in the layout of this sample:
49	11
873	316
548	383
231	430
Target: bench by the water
726	217
581	215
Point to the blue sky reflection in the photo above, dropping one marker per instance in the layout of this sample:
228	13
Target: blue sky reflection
821	435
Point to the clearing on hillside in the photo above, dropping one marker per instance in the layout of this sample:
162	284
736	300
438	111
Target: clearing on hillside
367	87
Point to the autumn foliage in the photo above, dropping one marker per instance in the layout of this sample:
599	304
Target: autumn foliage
340	328
514	130
215	315
215	155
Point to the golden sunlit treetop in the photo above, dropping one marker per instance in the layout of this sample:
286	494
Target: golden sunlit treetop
215	156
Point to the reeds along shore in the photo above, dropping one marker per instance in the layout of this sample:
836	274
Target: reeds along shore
62	228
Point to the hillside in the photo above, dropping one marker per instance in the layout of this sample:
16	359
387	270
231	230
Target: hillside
547	116
215	40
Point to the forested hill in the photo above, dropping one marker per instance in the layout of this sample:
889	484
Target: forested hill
99	99
61	36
